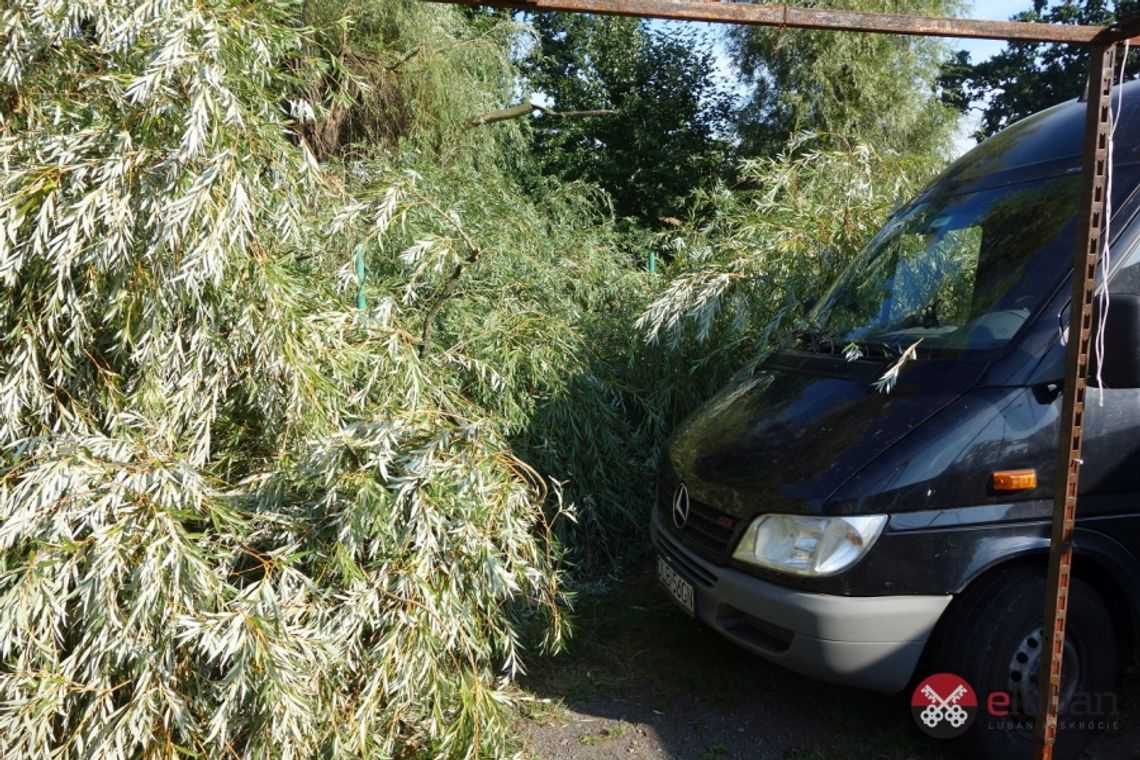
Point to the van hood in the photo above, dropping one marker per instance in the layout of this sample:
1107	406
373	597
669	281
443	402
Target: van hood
785	438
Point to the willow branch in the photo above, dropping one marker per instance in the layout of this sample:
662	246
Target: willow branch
474	253
525	109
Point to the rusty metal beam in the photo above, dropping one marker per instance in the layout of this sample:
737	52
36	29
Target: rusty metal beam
1090	243
819	18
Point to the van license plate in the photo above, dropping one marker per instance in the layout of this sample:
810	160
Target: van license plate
679	588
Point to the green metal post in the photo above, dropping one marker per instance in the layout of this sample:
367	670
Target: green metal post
359	258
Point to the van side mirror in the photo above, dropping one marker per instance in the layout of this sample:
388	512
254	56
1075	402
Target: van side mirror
1121	342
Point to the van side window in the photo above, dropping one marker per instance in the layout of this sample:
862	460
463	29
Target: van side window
1126	278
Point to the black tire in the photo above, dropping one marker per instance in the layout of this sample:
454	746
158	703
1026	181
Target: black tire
988	638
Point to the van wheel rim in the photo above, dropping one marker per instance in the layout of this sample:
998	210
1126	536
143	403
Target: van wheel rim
1025	665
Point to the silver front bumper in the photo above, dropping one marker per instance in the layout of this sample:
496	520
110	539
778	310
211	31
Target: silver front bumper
873	642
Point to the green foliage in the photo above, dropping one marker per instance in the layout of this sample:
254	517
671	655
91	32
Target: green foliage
871	89
745	271
535	327
306	409
240	516
669	135
401	71
1026	77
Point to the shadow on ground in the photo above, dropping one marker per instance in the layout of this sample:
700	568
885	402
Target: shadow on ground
642	680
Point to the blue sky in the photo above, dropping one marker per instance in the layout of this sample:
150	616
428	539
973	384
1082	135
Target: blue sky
999	11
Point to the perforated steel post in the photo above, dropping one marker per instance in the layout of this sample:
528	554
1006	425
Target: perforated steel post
1090	241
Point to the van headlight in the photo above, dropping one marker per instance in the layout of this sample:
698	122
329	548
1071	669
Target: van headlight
808	545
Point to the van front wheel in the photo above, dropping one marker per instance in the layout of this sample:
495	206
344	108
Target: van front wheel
993	638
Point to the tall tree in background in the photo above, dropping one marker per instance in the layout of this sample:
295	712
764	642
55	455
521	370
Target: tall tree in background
1027	77
874	89
668	135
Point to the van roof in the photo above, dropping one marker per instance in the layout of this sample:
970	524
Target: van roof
1049	142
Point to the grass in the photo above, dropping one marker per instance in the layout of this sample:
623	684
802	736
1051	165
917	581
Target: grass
613	732
545	711
714	751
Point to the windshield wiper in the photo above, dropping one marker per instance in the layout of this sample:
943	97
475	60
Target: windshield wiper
890	350
820	341
816	340
879	349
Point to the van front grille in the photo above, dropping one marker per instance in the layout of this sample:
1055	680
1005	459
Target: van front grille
708	531
671	548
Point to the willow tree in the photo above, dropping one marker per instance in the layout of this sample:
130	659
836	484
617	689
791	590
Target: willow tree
840	127
748	267
874	89
247	507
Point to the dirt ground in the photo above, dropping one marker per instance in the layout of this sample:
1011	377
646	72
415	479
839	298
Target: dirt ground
642	680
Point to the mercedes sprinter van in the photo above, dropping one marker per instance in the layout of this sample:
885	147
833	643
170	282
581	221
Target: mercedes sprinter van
872	538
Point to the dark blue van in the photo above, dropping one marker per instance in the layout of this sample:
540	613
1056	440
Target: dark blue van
872	538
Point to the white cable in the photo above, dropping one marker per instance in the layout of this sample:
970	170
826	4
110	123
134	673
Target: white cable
1106	252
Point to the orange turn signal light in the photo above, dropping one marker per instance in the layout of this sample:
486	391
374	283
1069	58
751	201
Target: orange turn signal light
1015	480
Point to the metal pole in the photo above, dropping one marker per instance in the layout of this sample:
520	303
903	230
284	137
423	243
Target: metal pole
1090	242
358	260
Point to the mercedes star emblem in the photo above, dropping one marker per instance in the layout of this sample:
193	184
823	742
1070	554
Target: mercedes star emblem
681	506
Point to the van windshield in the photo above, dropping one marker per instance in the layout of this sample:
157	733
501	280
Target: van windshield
962	272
